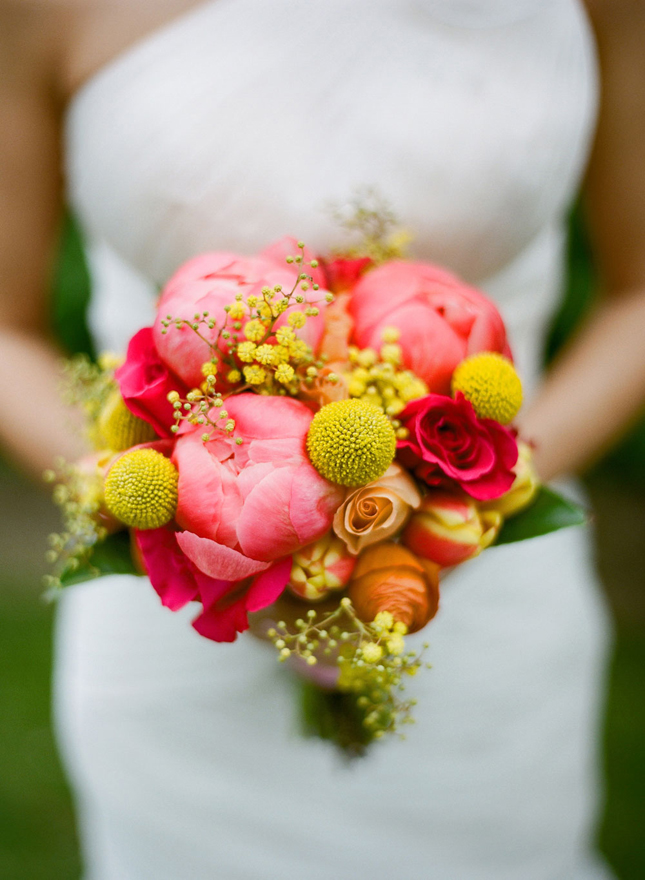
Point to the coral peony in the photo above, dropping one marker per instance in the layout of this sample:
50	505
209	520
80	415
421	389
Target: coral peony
441	319
208	283
376	511
448	444
390	578
449	529
244	506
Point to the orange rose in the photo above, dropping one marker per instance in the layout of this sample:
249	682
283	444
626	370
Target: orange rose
338	329
321	391
388	577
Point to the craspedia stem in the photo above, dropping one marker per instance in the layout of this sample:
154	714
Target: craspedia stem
141	489
351	442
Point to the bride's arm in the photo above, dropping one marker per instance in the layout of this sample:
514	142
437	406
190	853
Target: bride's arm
597	386
34	425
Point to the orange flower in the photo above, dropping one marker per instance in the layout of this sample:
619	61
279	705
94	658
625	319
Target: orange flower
338	329
390	578
321	391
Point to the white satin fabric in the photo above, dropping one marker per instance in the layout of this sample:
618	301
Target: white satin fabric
237	123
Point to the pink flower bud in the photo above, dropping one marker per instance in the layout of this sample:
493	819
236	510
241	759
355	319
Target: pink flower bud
321	567
449	529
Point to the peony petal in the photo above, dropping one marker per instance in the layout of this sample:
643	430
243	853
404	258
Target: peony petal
265	529
210	500
222	624
267	586
169	570
216	560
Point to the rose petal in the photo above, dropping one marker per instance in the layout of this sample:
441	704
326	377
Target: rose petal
145	381
267	586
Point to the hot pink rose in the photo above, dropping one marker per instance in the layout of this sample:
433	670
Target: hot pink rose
441	319
144	382
242	507
208	283
448	444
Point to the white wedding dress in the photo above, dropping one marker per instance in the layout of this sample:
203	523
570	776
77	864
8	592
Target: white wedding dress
235	124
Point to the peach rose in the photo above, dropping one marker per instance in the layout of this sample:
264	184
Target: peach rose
388	577
377	511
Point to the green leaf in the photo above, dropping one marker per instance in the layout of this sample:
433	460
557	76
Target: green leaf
112	556
548	513
334	716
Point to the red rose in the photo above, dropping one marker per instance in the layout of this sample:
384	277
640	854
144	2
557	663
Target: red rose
448	444
144	382
343	272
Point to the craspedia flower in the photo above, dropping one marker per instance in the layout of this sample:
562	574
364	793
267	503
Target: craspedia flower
141	489
119	428
351	442
489	381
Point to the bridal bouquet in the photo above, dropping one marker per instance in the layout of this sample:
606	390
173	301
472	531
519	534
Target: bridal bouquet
316	437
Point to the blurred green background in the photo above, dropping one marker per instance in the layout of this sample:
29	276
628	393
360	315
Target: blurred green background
37	837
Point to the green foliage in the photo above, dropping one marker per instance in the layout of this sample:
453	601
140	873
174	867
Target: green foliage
547	513
334	716
70	294
112	556
37	838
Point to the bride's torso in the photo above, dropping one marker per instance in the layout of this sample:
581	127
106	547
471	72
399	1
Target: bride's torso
233	122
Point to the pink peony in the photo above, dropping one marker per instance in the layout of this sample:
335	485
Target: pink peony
242	507
441	319
208	283
144	382
449	445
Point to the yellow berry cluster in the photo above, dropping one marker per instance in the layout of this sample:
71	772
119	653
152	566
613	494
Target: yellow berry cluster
249	350
371	658
379	378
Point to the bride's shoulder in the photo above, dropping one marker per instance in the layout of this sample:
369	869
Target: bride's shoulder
71	39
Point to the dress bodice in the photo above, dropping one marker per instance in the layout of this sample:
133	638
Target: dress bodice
242	120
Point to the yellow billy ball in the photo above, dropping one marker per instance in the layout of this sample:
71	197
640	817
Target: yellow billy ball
141	489
119	428
489	381
351	442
